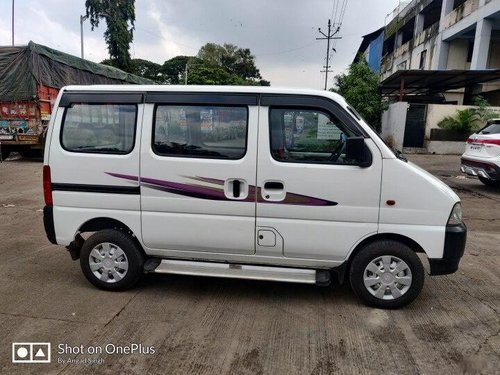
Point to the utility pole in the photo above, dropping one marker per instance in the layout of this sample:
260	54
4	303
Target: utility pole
329	36
186	75
12	23
82	19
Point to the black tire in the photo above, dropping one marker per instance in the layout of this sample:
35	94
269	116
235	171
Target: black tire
374	251
130	248
488	182
5	153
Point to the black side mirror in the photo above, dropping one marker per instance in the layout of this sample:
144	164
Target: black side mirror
357	151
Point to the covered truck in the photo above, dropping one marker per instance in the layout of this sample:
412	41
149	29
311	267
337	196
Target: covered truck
30	79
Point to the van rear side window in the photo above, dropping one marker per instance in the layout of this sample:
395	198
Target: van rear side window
213	132
99	128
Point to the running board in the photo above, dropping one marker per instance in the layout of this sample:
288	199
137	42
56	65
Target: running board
241	271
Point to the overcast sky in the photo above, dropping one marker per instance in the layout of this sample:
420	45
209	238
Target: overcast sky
280	33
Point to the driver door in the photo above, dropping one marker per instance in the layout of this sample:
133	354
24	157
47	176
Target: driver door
315	201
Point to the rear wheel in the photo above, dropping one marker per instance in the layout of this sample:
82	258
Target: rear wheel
386	274
488	182
111	260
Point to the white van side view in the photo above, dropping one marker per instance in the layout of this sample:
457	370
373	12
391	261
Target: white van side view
241	182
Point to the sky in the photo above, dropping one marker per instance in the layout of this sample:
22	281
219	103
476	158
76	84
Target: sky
280	33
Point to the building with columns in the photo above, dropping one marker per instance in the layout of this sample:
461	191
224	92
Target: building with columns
445	35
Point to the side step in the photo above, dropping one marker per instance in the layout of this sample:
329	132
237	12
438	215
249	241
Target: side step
242	271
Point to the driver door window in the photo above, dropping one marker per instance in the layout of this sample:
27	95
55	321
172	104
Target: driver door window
308	136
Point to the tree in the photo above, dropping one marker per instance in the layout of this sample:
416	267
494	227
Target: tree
120	17
205	74
173	70
141	68
147	69
238	61
361	88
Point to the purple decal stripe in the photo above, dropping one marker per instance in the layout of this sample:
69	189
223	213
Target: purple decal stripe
207	179
216	193
124	176
195	191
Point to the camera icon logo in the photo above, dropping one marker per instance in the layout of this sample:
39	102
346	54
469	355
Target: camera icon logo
31	352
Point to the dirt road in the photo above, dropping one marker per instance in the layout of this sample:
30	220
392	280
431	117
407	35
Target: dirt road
207	326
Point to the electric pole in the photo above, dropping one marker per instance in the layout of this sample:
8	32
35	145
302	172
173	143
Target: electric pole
12	23
329	36
82	19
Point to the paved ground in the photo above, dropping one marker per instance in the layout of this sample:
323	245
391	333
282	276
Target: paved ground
207	326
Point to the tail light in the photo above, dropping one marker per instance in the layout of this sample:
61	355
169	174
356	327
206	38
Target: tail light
484	141
47	186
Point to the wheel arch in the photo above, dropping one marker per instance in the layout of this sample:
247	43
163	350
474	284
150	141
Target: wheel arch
344	268
95	225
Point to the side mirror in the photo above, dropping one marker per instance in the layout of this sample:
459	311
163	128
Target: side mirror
357	151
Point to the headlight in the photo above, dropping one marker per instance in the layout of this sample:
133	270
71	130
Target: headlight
456	215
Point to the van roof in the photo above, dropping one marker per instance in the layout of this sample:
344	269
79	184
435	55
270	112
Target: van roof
209	89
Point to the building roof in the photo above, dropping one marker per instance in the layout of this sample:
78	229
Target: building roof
367	39
404	82
22	67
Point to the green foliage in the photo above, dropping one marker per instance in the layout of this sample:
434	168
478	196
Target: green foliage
173	70
482	109
464	121
214	65
361	88
120	17
141	68
470	119
205	74
235	60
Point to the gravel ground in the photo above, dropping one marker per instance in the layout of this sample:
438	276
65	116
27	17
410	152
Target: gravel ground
205	326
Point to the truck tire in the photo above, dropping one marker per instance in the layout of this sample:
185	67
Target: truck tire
386	274
111	260
488	182
5	153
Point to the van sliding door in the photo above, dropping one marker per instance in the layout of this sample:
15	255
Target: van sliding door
198	172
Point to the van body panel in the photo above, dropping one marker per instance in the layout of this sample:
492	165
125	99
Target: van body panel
186	202
420	198
69	220
429	237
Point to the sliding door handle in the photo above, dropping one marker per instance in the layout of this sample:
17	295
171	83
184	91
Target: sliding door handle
274	186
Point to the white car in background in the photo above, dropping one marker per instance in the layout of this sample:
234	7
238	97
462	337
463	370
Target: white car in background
482	154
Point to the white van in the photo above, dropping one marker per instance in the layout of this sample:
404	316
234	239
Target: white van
241	182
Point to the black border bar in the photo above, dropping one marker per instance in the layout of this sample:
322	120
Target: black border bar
108	189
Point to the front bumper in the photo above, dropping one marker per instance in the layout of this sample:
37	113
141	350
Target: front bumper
481	169
454	246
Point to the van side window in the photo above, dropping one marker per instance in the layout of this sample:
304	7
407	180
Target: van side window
307	136
214	132
99	128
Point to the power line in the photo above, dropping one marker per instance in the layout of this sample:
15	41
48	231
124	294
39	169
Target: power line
342	13
285	51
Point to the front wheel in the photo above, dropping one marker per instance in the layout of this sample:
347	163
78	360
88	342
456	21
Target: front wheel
387	274
488	182
111	259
